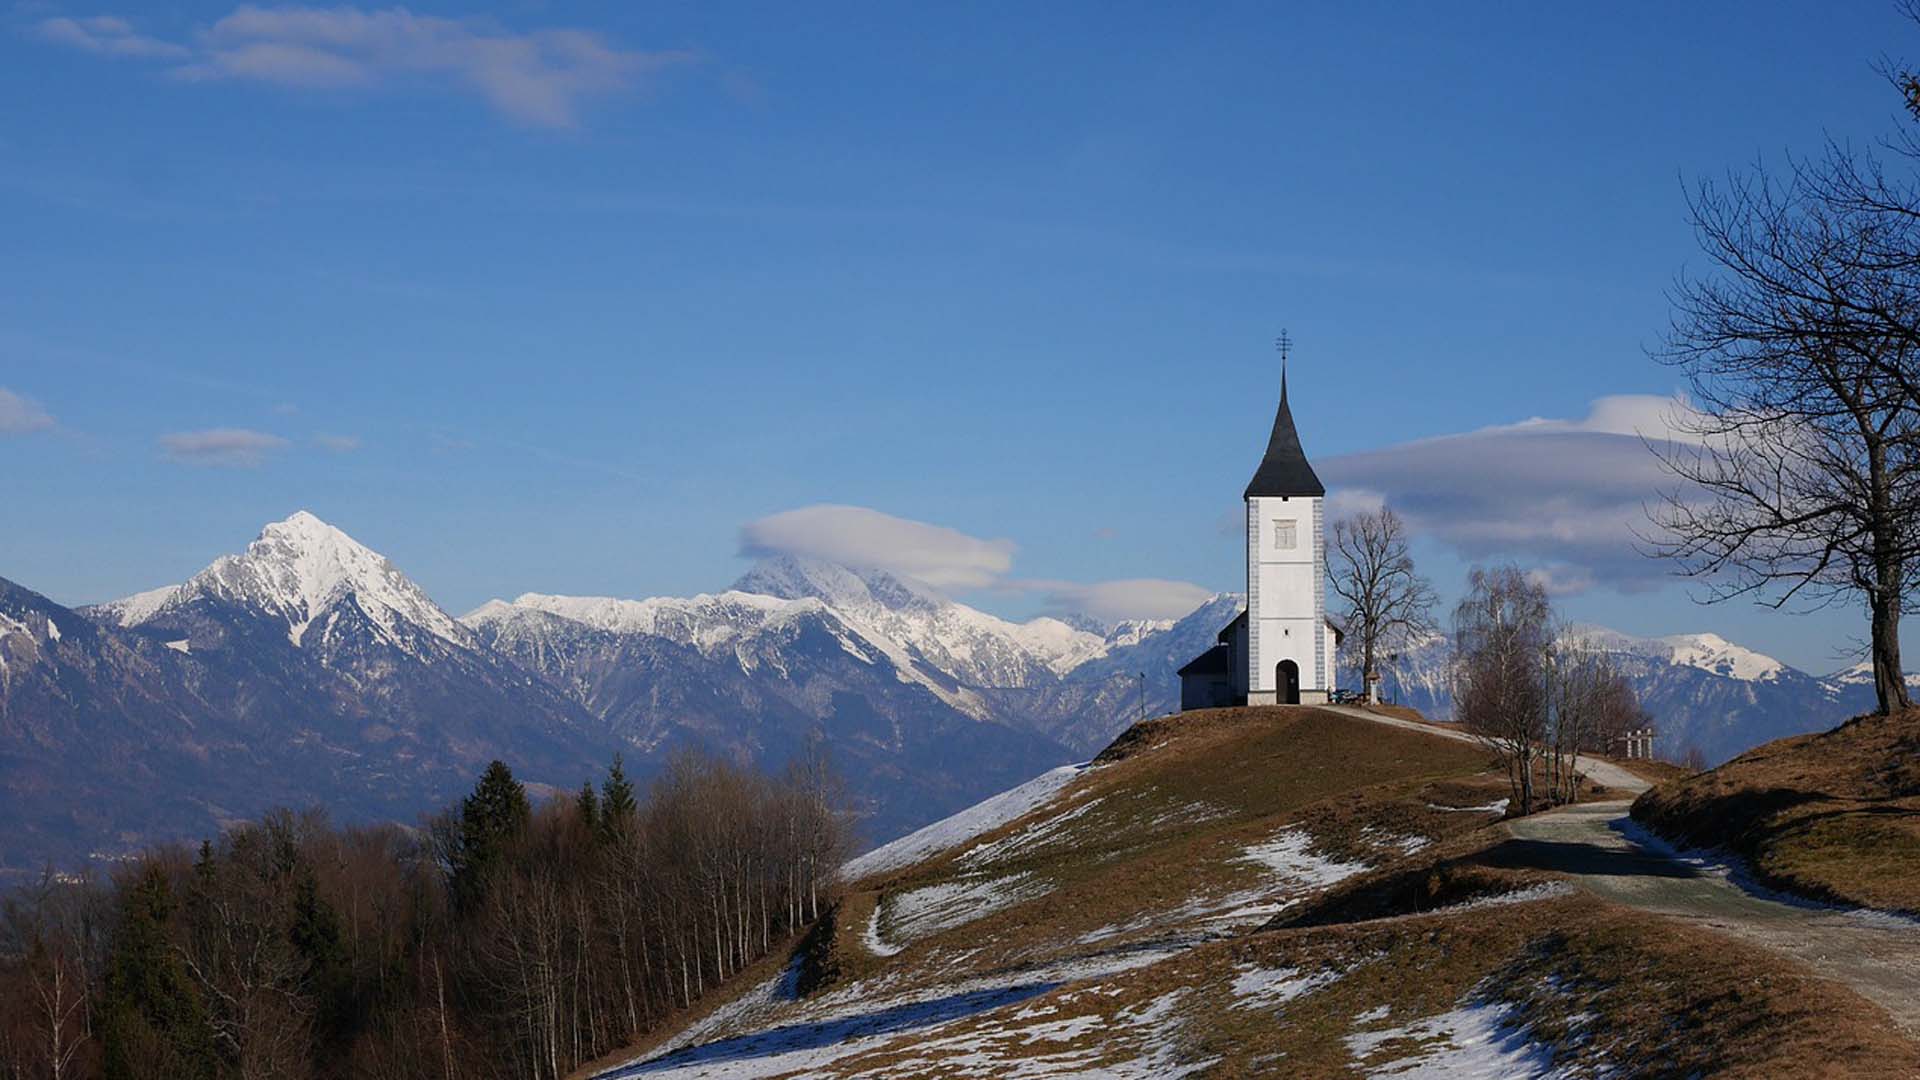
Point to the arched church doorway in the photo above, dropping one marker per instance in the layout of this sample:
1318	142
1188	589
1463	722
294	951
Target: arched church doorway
1287	680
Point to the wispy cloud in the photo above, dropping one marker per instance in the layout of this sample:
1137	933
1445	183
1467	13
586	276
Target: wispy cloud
223	447
108	35
1565	496
339	444
947	559
1131	598
21	415
541	78
857	536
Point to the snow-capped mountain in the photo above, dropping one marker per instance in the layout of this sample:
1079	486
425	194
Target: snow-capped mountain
1062	682
1706	652
302	571
967	644
1701	690
308	668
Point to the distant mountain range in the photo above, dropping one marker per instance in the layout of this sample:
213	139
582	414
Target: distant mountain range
1701	690
309	670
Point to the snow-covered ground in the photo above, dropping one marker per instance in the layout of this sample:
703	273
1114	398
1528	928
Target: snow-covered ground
1290	856
1269	988
1028	840
1472	1042
976	820
767	1034
907	917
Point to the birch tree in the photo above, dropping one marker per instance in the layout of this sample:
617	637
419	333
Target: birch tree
1502	633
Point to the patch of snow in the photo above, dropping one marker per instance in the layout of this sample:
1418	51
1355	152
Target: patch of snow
871	937
181	646
1027	840
1472	1042
53	630
924	912
949	833
1406	845
1546	890
1264	988
762	1036
1289	854
759	1002
1498	806
138	608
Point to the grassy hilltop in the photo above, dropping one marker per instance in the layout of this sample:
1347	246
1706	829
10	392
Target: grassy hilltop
1248	892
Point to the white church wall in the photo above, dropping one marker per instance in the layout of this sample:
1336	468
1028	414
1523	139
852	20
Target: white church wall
1285	594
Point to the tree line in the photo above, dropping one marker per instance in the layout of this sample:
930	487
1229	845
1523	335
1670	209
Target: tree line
503	938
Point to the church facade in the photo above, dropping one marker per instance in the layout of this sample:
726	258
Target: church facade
1281	650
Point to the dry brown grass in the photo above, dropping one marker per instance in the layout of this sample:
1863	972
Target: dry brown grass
1595	985
1834	815
1163	823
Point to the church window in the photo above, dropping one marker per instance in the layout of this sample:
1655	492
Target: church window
1285	534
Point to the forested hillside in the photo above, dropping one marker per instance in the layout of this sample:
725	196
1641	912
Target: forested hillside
506	939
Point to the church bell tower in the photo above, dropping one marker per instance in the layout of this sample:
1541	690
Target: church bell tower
1289	647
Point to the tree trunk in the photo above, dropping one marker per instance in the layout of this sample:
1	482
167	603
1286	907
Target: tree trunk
1889	681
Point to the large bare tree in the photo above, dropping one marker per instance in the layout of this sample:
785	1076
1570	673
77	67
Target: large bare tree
1387	603
1800	456
1503	630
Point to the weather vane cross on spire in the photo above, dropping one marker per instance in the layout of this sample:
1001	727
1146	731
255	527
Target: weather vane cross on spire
1285	345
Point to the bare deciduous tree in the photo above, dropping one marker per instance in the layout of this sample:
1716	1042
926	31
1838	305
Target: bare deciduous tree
1800	457
1503	628
1387	603
1590	702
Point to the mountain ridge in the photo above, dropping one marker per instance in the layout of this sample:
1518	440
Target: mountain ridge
315	666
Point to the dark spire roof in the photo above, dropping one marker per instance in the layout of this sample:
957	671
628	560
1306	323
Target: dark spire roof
1284	470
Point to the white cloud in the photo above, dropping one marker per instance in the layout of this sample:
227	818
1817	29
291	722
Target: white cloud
1133	598
107	35
226	447
948	559
339	444
1648	416
540	78
21	415
856	536
1568	496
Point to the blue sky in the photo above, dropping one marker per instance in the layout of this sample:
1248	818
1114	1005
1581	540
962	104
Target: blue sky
562	297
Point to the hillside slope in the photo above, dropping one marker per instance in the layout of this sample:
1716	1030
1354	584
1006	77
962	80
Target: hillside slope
1249	891
1834	815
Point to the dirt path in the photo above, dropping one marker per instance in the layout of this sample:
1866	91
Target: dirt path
1600	772
1876	955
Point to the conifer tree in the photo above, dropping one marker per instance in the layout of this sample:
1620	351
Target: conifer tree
315	932
153	1021
490	820
617	802
589	804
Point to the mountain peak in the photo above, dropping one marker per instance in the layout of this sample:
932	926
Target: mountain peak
298	569
851	589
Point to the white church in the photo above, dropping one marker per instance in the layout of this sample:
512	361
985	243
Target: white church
1281	650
